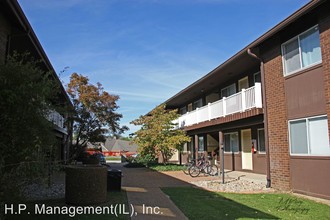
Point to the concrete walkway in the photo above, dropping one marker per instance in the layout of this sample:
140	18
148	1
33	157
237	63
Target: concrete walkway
143	192
143	187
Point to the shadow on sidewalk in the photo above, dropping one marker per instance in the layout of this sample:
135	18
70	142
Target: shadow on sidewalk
145	189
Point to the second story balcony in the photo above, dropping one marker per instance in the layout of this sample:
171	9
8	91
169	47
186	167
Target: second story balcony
238	102
58	120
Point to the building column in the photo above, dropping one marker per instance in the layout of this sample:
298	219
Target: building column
222	156
196	147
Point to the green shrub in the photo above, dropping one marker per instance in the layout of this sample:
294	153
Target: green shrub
146	159
167	167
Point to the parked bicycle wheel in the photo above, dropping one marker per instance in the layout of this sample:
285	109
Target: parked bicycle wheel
194	171
185	169
212	170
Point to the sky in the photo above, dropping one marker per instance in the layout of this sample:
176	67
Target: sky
146	51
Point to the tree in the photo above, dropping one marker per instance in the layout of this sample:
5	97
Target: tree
158	134
26	96
94	113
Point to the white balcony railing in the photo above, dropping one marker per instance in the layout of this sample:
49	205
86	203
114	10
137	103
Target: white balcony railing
239	102
57	119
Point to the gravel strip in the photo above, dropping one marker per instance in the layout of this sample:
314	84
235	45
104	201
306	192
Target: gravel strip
234	185
38	191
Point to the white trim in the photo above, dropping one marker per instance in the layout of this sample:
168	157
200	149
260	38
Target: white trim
247	157
308	141
300	58
302	69
297	37
291	39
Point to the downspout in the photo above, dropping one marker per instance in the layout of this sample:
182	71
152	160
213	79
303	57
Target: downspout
263	88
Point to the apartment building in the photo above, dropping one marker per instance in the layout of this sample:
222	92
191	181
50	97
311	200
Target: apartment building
16	34
268	105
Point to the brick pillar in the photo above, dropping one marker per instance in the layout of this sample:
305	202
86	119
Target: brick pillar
324	28
277	116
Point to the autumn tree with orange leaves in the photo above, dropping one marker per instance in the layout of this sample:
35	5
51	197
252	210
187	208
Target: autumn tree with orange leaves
95	113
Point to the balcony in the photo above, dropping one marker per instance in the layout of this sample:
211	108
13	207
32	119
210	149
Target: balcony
239	102
58	120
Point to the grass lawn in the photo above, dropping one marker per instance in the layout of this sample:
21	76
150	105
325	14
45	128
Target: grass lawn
113	199
113	158
201	204
167	167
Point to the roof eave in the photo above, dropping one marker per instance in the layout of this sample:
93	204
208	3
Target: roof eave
296	15
17	10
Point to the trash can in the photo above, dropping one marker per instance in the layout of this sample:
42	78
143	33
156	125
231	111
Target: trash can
114	180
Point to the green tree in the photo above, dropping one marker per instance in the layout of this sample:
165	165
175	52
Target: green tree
95	113
26	135
158	134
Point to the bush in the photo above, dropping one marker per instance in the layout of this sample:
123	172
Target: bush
166	167
27	140
141	161
146	160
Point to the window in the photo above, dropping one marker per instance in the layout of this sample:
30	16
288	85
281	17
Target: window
231	142
261	140
183	110
309	136
302	51
200	143
197	104
228	91
190	108
257	77
243	83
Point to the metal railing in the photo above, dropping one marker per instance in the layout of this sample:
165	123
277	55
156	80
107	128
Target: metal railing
57	119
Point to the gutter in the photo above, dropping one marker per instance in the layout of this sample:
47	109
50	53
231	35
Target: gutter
280	26
263	88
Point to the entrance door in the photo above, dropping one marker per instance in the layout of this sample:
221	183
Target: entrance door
246	141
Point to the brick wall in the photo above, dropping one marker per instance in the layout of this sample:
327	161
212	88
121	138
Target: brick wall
324	27
276	99
277	115
4	31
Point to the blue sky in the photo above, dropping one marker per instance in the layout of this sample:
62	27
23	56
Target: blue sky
146	51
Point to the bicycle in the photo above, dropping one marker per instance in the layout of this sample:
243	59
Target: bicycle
187	166
203	166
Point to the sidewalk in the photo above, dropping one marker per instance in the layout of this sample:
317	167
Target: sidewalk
143	187
143	192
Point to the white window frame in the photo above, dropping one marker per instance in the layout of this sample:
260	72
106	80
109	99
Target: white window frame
261	152
238	141
297	37
308	137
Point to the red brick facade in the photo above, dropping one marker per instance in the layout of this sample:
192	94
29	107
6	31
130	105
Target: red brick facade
277	105
277	116
324	27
